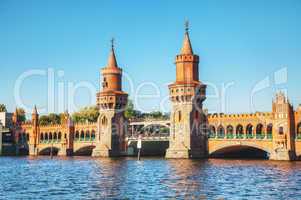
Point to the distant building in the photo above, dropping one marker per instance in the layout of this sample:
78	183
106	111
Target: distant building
6	136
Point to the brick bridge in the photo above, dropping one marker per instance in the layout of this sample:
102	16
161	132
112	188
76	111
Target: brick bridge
278	133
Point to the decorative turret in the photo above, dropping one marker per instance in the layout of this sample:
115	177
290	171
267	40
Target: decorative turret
34	134
111	96
187	63
35	116
187	94
111	101
187	84
283	138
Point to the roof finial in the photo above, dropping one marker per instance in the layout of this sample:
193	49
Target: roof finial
35	110
112	42
112	59
186	48
186	26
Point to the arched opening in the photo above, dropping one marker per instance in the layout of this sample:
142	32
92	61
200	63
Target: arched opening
220	132
41	137
270	131
87	136
212	132
48	151
93	135
241	152
249	131
84	151
50	136
27	137
82	135
60	136
104	121
46	137
281	130
55	136
239	132
230	132
298	135
76	135
259	132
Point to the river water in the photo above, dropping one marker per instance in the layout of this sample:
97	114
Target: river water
150	178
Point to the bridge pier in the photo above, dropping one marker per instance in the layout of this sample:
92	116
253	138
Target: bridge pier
282	155
65	152
33	150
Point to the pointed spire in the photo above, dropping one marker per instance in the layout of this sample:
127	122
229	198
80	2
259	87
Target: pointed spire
186	49
112	58
35	111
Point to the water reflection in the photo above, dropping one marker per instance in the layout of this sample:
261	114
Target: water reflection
151	178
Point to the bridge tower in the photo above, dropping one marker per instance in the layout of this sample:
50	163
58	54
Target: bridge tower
33	137
111	100
283	129
68	136
187	93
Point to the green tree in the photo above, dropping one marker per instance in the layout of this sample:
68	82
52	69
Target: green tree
130	112
44	120
87	114
3	108
54	118
21	115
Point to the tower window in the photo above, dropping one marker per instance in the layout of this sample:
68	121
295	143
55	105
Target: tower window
281	132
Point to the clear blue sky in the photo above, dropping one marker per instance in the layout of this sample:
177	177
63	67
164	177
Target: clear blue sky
238	41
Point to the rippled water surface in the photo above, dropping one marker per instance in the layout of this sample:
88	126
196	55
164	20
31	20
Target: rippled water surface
151	178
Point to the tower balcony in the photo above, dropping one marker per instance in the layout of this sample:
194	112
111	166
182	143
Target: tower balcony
111	100
185	92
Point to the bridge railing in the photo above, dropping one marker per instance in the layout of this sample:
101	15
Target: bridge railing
240	136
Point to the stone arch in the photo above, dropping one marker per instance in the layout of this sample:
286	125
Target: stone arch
59	135
82	135
87	135
230	131
212	131
50	136
232	147
249	131
76	135
259	131
47	151
93	135
54	136
220	132
239	131
281	130
46	136
270	131
84	150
